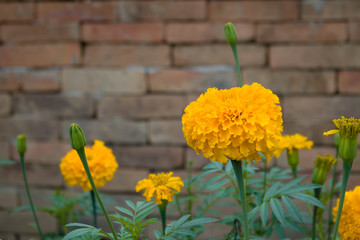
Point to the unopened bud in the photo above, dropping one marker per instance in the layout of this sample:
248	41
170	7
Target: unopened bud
337	139
230	33
322	168
293	159
348	148
77	138
21	144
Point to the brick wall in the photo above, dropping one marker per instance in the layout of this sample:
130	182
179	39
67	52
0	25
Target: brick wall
125	70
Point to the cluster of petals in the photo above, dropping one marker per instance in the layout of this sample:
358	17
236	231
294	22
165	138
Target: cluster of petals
163	186
235	123
291	142
345	126
349	228
101	161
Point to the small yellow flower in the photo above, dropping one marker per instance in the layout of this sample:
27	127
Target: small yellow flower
291	142
349	228
163	186
235	123
101	161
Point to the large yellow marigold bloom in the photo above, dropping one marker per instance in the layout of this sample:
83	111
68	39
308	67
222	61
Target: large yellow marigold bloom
163	186
349	228
102	164
237	123
291	142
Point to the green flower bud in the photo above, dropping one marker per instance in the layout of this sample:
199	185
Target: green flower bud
21	144
293	158
348	148
230	33
322	167
77	138
337	139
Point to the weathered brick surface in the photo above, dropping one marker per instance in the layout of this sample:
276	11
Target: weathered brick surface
4	149
293	82
125	180
40	197
150	106
16	11
302	32
354	30
185	81
8	198
146	157
115	130
251	55
40	32
60	11
40	81
123	32
44	55
107	81
205	32
121	55
166	132
53	105
5	104
325	56
253	10
349	82
9	82
165	10
330	10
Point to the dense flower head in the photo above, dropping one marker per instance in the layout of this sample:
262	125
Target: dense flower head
237	123
349	228
101	161
162	185
291	142
347	127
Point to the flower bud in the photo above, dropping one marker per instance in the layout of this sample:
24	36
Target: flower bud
21	144
337	139
322	167
348	148
293	158
230	33
77	138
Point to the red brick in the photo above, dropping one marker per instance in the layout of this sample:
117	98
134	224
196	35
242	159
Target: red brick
291	81
5	104
302	32
123	32
166	132
47	55
149	106
125	180
354	30
254	10
40	197
326	56
251	55
149	157
107	81
205	32
349	82
318	109
16	12
354	180
53	105
60	11
8	197
314	9
47	153
114	130
10	223
179	80
4	149
166	10
9	81
40	32
33	129
116	56
199	160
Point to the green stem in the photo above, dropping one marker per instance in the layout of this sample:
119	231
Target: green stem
294	171
265	174
330	222
29	195
93	201
81	153
234	50
162	208
237	165
189	190
346	173
317	192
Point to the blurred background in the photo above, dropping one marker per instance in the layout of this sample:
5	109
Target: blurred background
125	70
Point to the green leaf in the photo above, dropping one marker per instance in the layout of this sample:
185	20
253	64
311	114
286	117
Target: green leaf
77	233
264	213
292	209
126	211
291	184
199	221
301	188
277	210
219	184
6	162
157	234
308	199
185	232
272	191
211	181
131	204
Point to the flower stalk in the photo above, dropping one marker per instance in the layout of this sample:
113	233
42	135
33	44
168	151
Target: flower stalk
237	165
162	209
21	147
317	192
231	39
93	201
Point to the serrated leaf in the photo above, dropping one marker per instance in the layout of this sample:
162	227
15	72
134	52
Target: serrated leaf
211	181
292	209
219	184
199	221
264	213
157	233
185	232
252	213
291	184
77	233
277	210
308	199
126	211
272	191
301	188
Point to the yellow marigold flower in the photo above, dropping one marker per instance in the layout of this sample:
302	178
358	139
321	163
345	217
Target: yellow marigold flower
102	164
349	228
237	123
163	186
291	142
